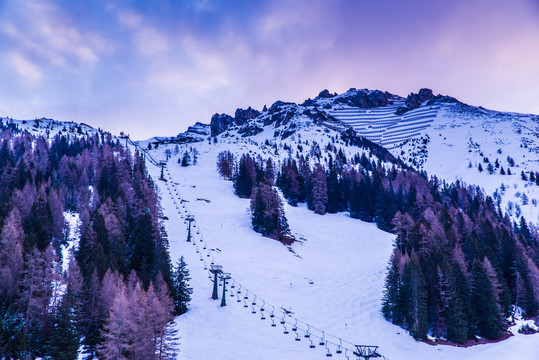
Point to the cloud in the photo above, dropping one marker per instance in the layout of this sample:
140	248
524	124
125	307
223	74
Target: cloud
129	18
45	32
26	69
150	41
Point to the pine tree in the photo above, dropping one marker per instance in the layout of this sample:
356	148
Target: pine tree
245	180
390	300
186	159
258	207
318	198
483	299
413	300
452	308
182	289
65	338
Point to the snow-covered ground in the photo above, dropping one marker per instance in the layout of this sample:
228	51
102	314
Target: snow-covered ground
332	279
461	137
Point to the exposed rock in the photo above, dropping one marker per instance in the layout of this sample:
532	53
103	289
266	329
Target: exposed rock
365	98
250	130
283	117
287	133
199	128
413	101
219	123
278	106
442	99
325	94
242	116
424	95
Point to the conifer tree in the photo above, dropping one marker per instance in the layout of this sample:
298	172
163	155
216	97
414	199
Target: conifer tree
318	198
413	300
483	299
245	180
181	287
390	300
65	338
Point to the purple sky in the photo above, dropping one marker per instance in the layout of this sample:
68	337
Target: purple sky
156	67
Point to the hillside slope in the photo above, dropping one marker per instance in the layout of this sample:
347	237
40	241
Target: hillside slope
332	279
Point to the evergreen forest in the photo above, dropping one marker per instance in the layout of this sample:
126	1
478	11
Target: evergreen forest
114	295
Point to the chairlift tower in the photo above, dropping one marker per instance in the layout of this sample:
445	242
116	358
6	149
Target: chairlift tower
189	218
216	270
224	277
366	351
162	164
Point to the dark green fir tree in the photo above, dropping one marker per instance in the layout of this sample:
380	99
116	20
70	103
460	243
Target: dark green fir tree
181	287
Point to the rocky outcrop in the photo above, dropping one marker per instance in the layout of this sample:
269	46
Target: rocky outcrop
219	123
250	130
413	101
199	129
325	94
365	98
242	116
443	99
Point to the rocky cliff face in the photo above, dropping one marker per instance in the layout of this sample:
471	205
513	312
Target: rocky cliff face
365	98
219	123
413	101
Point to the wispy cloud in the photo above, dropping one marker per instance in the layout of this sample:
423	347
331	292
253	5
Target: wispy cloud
29	72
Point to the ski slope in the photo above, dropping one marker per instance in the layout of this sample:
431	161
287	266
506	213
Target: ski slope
332	279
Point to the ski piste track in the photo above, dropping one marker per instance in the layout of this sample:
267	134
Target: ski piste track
278	317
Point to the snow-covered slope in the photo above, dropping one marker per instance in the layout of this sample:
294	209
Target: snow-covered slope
48	127
332	279
461	138
438	134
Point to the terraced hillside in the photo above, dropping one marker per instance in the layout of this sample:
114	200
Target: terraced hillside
383	126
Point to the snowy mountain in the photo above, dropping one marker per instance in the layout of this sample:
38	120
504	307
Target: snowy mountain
421	130
329	283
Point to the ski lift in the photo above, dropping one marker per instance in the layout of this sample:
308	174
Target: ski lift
339	350
285	330
322	339
297	337
295	327
308	331
328	354
312	344
273	322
